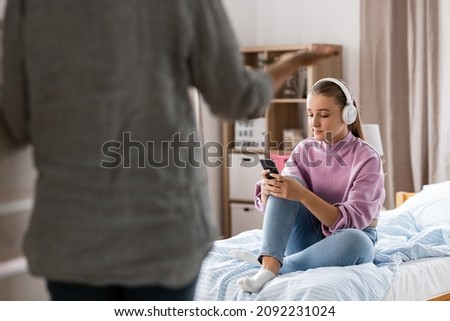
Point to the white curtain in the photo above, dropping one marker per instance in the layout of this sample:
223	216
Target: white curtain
402	85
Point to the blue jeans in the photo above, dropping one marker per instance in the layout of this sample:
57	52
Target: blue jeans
293	235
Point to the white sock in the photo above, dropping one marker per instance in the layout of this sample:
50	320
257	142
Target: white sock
256	282
246	256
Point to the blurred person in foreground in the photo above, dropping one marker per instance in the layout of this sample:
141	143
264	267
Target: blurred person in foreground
99	88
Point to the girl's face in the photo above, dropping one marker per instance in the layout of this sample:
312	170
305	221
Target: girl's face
325	120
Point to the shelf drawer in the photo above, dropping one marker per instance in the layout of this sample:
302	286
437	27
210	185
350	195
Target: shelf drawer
245	171
245	217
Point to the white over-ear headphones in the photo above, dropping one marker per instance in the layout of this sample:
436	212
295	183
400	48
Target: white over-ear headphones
349	112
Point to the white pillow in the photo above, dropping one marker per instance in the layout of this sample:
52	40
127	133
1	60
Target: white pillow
431	206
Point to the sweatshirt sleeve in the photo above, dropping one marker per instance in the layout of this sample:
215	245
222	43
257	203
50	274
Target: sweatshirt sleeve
14	108
259	205
364	198
217	68
294	163
291	168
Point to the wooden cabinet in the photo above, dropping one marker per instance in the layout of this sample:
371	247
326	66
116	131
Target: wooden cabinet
286	114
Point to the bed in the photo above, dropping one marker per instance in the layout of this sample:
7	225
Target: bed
412	261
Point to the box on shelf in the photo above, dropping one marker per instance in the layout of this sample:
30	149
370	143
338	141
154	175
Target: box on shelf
295	86
250	133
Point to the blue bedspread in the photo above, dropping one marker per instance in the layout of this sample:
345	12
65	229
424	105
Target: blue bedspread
419	228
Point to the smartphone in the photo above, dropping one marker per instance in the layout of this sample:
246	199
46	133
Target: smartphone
269	164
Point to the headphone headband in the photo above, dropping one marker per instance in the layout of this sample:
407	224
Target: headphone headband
349	113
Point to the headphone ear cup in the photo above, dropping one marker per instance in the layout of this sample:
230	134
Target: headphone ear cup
349	114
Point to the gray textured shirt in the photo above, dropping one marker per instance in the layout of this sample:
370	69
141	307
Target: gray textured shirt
91	82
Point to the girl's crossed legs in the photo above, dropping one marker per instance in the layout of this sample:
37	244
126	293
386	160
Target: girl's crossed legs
292	235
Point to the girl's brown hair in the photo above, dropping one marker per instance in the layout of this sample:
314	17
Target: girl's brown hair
330	89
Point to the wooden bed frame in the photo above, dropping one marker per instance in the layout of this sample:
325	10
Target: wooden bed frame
401	197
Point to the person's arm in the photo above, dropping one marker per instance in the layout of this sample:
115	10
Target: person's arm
325	212
291	62
14	105
289	188
357	211
261	193
218	71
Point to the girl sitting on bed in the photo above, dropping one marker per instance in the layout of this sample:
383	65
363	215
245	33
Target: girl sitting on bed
323	209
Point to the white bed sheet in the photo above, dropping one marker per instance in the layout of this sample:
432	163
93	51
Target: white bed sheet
220	272
412	261
420	280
